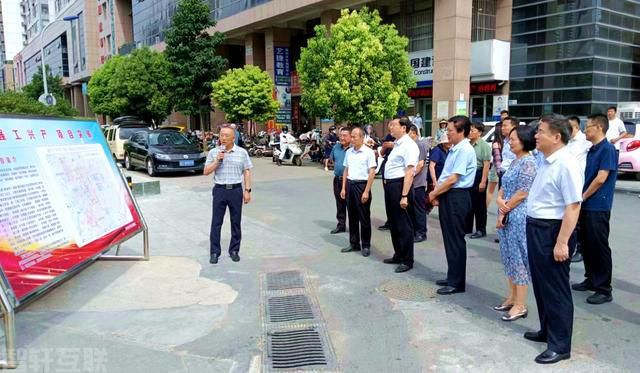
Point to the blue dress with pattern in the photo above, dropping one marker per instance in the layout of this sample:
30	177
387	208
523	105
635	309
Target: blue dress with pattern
513	237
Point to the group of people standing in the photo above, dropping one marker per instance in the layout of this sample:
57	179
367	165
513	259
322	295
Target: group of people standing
551	178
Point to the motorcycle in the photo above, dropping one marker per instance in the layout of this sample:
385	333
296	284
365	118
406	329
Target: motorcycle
293	154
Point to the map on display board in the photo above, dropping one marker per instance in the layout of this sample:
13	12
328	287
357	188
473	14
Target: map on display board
62	200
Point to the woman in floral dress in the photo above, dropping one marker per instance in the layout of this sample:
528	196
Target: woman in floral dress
511	223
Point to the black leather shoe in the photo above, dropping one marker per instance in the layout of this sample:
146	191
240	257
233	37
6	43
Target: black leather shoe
419	239
403	268
577	257
477	234
448	290
535	337
551	357
384	227
391	261
234	256
349	249
213	259
496	240
366	251
583	286
599	298
444	282
337	230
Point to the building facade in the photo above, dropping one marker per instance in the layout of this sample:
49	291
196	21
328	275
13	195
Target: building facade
35	16
574	57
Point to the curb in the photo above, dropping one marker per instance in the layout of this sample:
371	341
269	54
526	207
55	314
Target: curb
627	190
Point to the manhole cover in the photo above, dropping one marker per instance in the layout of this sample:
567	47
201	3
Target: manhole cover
411	290
296	349
289	308
284	280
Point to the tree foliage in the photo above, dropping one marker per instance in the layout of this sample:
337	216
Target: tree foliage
22	103
191	53
245	93
137	84
54	87
358	71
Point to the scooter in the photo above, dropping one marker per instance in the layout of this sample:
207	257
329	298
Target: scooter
293	154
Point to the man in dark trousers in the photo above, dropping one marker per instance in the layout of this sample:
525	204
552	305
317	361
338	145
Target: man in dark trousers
359	172
337	156
479	189
230	165
553	207
385	150
453	196
599	187
398	193
420	187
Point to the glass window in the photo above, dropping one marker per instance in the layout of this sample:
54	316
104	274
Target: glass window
419	26
226	8
483	20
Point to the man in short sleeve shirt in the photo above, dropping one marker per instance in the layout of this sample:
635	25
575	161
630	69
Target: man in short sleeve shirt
453	196
617	130
553	207
599	187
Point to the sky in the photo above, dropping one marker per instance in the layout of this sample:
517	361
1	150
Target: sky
12	28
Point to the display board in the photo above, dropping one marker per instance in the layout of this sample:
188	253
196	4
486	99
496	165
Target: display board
63	201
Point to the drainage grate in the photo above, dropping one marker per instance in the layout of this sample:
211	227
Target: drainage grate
284	280
296	348
289	308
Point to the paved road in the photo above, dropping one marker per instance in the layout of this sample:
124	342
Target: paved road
178	313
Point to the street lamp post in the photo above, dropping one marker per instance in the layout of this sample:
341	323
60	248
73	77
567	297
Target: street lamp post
44	72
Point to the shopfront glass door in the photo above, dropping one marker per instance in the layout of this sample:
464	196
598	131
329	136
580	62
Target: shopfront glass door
481	108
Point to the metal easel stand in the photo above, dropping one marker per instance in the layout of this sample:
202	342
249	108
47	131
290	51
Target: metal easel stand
9	319
145	233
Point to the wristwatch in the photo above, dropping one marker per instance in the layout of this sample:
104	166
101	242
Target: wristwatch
247	190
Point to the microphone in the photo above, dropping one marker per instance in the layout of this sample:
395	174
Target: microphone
221	150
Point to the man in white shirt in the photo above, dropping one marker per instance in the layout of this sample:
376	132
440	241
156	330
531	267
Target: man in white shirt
398	193
578	144
453	196
617	130
359	172
553	207
508	123
285	139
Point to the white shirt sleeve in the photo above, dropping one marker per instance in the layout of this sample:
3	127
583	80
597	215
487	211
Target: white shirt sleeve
412	153
571	183
371	161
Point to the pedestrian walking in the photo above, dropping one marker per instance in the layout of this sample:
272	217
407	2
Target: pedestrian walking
479	189
511	222
359	172
231	168
552	212
599	187
398	193
337	156
417	121
420	187
453	196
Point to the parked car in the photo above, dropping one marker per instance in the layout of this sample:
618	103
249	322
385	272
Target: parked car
119	131
629	158
162	151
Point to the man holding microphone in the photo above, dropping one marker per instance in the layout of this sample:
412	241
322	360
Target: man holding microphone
230	165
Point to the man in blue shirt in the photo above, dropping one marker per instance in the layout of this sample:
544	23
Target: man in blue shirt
337	156
599	186
453	195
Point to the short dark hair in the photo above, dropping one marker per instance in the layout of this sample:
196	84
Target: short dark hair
405	122
461	124
558	124
612	108
479	126
574	118
345	128
504	111
527	137
601	120
413	128
514	121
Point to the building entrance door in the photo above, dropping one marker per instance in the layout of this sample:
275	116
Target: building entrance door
424	107
481	109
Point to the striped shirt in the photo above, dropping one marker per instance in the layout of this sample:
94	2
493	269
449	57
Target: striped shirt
231	170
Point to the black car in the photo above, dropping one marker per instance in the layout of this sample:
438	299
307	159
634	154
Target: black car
162	151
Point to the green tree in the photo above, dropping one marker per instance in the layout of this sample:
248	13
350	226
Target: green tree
245	94
136	84
55	87
22	103
191	53
357	71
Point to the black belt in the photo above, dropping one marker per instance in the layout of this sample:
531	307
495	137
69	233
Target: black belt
391	181
228	186
338	177
357	182
458	190
555	221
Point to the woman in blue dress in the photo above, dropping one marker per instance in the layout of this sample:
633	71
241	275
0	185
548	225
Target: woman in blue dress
511	223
